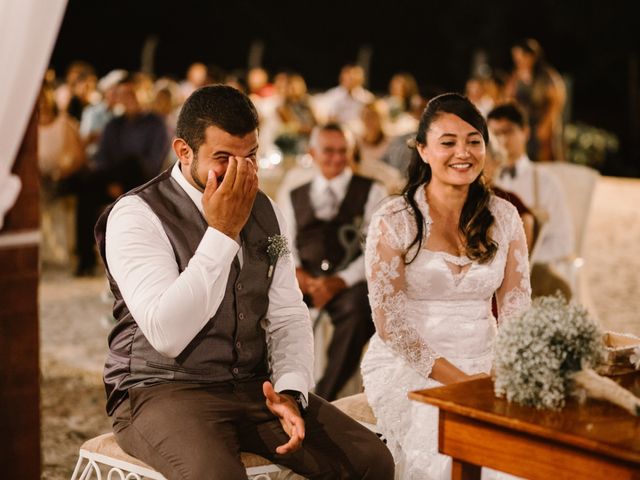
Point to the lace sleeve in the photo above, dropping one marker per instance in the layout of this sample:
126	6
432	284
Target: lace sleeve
385	268
514	294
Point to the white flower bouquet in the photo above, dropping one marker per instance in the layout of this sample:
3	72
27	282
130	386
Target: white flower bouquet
277	247
548	352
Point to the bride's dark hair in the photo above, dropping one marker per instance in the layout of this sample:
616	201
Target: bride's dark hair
475	219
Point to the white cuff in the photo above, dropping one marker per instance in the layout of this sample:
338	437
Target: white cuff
292	381
215	245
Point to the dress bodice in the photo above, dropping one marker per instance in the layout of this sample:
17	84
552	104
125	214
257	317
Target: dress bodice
439	304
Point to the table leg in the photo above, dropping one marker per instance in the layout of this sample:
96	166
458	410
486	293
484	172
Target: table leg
461	470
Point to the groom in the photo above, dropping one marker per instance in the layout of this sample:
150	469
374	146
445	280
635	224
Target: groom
212	352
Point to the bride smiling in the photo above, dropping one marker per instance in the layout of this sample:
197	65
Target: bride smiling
435	257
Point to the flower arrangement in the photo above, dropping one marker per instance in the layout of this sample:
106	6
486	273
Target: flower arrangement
588	145
277	247
548	352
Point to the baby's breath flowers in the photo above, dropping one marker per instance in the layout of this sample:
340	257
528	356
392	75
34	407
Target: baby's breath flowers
548	352
277	246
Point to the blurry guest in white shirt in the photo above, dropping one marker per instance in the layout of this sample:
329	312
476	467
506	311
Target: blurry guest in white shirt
372	143
326	219
538	188
343	103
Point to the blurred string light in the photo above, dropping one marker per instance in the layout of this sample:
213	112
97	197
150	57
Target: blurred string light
271	159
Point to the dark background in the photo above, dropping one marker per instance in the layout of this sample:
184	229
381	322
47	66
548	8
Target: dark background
594	44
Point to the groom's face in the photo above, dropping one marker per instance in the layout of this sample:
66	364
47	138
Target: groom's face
214	155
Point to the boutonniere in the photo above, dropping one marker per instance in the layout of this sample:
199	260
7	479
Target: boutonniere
277	246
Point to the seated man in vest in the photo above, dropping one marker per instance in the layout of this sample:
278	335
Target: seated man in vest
542	193
212	351
326	218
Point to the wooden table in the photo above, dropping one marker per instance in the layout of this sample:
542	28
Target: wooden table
596	440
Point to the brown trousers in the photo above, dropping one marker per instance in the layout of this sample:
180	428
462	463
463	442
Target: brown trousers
195	431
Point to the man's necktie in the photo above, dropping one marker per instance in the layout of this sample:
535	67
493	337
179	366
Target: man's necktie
510	171
332	201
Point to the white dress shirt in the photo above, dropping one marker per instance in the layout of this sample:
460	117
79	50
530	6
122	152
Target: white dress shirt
556	239
354	272
344	106
172	307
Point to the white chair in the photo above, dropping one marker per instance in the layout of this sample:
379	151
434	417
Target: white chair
103	453
579	183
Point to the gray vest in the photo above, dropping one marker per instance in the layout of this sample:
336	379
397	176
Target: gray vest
232	345
328	246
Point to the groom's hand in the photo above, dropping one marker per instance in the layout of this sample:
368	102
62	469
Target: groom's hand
285	408
227	206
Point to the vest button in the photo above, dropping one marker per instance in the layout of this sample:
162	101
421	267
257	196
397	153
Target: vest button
235	370
238	344
239	286
241	316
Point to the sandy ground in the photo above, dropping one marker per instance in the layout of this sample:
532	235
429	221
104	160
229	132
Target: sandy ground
73	330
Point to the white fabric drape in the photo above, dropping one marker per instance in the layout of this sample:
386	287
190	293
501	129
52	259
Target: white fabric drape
28	31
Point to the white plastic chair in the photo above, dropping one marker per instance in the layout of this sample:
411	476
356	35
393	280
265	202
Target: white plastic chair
579	183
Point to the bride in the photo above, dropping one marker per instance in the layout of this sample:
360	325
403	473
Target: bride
435	257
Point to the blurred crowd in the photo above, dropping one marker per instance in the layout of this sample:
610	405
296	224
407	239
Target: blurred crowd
101	136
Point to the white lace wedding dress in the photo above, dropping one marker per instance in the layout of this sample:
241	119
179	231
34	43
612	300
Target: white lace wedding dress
439	305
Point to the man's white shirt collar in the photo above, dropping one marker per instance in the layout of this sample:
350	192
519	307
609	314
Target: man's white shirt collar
194	194
522	164
338	184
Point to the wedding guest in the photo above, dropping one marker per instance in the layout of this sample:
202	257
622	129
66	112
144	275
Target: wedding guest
399	152
542	193
95	117
372	143
60	154
197	76
399	104
258	83
476	91
77	82
493	164
212	351
325	218
296	115
132	150
343	103
540	90
434	258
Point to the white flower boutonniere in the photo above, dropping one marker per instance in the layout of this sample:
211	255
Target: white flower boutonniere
277	246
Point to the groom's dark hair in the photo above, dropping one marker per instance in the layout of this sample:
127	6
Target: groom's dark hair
219	105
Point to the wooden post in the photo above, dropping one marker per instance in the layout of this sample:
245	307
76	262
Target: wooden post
19	348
